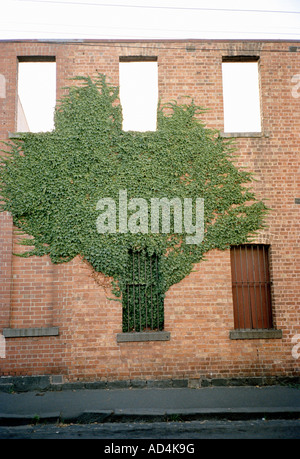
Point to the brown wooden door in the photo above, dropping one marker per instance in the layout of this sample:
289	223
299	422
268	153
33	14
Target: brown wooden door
251	286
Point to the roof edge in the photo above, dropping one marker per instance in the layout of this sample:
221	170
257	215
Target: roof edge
145	40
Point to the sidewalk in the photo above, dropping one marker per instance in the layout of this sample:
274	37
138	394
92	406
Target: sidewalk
118	405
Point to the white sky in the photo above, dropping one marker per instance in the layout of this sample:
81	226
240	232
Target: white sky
167	19
139	78
241	97
37	93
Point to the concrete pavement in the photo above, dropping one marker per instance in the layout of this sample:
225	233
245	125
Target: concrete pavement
156	404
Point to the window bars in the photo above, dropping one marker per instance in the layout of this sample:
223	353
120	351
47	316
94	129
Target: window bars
143	306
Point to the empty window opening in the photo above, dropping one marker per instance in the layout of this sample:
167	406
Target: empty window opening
251	287
139	94
241	97
142	298
36	95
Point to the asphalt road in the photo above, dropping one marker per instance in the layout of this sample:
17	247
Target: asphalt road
207	429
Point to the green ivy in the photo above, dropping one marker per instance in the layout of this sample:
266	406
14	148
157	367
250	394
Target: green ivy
51	183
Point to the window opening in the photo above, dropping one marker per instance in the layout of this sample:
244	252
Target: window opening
251	286
143	305
241	97
36	94
139	94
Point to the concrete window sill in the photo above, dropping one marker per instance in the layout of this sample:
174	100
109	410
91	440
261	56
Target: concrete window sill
143	336
17	135
30	332
255	334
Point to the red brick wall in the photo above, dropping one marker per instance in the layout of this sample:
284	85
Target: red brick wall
198	310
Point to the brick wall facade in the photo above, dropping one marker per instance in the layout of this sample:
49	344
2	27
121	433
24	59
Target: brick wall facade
35	294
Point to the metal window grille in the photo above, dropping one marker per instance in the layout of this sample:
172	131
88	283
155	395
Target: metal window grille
251	287
142	298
